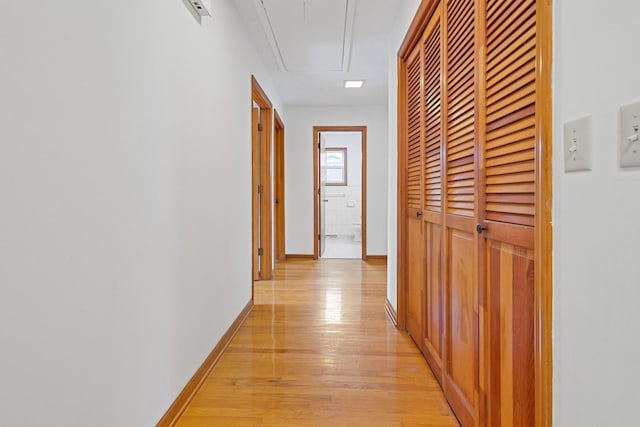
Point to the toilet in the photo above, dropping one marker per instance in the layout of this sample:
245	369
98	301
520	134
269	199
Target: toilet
357	231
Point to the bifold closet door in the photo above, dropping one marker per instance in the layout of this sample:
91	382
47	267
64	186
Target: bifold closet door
414	195
432	334
461	379
470	171
509	209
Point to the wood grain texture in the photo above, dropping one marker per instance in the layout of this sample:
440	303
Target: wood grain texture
401	202
391	312
300	256
510	91
432	167
262	204
543	280
174	412
511	290
278	190
319	350
461	69
415	280
433	43
376	258
434	301
460	336
255	199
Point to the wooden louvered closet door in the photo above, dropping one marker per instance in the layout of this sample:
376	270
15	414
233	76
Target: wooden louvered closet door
432	335
414	194
424	195
470	138
508	201
460	239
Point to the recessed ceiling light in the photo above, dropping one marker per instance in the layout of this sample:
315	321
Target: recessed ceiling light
353	83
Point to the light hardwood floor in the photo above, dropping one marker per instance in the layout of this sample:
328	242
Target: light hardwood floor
318	350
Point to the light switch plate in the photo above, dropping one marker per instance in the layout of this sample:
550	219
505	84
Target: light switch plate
577	145
630	135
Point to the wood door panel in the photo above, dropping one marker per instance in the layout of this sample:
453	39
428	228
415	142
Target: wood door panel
433	117
477	104
414	168
433	333
460	98
461	332
510	274
510	83
415	276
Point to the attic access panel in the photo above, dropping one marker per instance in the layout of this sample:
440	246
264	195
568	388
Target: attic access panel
309	35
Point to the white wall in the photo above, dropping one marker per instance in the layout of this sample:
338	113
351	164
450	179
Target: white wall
344	206
299	171
405	12
119	269
596	220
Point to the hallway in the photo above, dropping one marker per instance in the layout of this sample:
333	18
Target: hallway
318	350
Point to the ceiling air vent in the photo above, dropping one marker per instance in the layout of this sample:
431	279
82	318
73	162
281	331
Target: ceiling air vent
201	7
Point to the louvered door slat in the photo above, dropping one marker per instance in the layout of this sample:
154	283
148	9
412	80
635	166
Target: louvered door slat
512	29
510	109
493	6
460	107
433	121
414	135
501	70
514	147
513	178
459	19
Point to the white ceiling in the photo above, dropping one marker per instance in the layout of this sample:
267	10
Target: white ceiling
313	46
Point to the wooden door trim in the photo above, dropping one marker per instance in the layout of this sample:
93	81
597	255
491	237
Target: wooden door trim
279	187
264	210
543	230
543	282
255	208
316	182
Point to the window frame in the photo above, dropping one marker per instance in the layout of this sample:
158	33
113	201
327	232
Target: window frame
344	182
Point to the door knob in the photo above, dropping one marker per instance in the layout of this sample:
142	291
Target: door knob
277	201
325	200
418	214
480	228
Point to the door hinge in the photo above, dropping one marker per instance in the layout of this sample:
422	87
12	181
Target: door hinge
260	251
260	189
259	127
318	236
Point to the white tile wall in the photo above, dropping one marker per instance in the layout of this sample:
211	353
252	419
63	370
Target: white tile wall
339	217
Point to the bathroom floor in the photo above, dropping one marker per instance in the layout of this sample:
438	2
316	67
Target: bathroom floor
342	247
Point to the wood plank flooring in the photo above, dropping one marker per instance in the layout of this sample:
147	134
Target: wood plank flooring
318	350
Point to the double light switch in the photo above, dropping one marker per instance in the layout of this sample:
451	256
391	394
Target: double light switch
578	140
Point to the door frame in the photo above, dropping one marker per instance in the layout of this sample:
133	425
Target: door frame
261	209
278	190
543	239
316	182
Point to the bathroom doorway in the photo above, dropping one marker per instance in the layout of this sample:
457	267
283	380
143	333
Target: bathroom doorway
340	189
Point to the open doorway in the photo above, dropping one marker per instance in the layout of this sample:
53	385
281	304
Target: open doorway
262	229
340	192
278	188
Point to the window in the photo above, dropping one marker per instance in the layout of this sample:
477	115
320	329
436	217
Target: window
333	163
